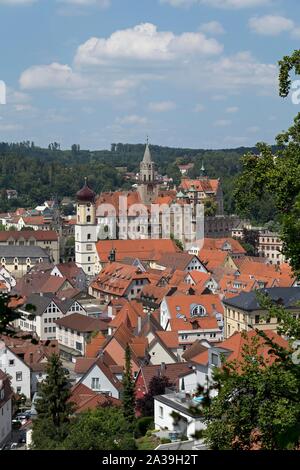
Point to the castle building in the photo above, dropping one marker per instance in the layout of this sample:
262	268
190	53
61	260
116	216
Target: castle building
86	229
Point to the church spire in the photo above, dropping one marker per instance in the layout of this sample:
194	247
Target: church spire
147	155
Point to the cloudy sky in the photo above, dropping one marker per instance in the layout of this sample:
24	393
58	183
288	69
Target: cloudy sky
192	73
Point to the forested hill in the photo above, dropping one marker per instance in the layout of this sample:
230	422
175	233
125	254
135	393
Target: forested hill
40	173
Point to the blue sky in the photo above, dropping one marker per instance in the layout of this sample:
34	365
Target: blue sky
188	73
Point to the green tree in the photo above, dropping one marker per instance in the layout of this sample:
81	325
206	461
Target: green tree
53	407
258	403
105	428
129	390
8	314
277	173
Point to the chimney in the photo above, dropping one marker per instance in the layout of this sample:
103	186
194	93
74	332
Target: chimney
139	325
41	294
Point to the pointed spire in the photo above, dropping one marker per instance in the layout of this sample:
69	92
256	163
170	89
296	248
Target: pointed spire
147	155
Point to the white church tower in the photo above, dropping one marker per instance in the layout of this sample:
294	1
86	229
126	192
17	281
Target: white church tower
86	230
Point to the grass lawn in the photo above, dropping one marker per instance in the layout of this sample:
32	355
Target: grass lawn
147	442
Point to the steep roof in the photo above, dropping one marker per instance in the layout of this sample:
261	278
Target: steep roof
116	278
128	315
83	398
169	338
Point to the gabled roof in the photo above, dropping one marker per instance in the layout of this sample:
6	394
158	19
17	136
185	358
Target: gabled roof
220	244
129	315
116	278
99	362
194	350
213	258
83	398
179	260
33	355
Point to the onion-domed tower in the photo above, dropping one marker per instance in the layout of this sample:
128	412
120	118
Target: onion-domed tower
86	229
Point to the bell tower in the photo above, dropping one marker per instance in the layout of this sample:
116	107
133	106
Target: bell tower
148	184
86	229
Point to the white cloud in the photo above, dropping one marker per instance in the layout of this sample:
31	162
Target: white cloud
212	27
144	43
132	119
235	4
54	75
232	109
162	106
239	71
271	25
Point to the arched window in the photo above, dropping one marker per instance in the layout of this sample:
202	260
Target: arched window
88	236
88	218
198	311
145	178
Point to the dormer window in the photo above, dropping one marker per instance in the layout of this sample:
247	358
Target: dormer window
198	311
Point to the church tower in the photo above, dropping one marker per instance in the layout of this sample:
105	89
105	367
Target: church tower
148	184
86	230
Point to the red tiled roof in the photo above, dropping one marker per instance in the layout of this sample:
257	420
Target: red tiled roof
169	338
128	315
201	185
218	244
116	278
96	343
212	258
145	250
83	398
35	220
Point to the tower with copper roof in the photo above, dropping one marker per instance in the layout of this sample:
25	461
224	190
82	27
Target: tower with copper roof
148	185
86	229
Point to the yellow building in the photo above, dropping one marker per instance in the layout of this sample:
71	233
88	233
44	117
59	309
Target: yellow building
243	311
